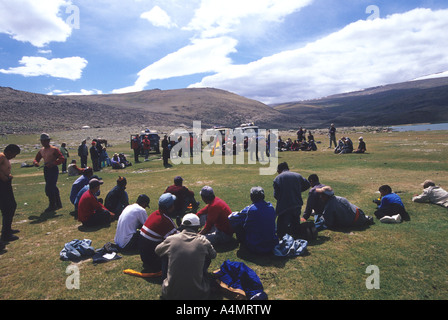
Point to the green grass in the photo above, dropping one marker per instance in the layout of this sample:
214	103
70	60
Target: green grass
411	256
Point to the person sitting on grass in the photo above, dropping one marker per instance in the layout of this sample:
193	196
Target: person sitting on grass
255	225
339	213
361	146
154	231
117	199
214	218
390	207
73	170
432	194
80	183
186	257
90	211
184	197
129	223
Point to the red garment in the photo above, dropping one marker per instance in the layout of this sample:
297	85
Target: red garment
181	193
158	227
217	215
87	206
146	144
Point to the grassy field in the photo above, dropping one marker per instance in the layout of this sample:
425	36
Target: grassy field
411	257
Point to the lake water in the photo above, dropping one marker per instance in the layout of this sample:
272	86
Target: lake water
421	127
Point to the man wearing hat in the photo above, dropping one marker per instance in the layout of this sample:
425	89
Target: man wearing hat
52	158
129	223
90	211
340	213
432	194
255	225
217	228
186	257
184	197
156	229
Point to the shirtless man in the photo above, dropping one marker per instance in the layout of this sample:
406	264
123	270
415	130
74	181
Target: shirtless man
52	158
8	204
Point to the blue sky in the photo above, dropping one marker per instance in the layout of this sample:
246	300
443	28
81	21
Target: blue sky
269	50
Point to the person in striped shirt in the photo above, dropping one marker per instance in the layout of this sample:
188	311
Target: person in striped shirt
157	228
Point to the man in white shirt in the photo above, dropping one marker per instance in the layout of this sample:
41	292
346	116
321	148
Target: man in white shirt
131	220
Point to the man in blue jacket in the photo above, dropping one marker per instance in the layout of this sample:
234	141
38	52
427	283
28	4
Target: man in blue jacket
255	224
390	205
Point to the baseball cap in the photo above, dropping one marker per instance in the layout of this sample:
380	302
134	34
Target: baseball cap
166	200
190	220
93	183
45	136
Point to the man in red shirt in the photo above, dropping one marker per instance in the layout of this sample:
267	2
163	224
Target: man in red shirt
184	197
217	228
90	211
157	228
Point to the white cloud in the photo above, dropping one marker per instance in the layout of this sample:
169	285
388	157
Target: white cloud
216	18
67	68
83	92
36	22
158	17
202	55
397	48
210	47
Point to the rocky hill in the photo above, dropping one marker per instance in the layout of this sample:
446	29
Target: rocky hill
24	112
423	101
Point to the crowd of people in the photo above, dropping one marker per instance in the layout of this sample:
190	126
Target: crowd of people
177	241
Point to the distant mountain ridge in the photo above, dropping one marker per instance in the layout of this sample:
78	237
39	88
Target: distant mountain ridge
26	112
422	101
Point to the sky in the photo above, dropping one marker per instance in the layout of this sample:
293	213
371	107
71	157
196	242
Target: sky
273	51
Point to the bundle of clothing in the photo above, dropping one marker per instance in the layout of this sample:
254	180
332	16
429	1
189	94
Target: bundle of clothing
77	250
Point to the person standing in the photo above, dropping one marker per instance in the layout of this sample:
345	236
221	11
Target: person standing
52	158
186	257
332	135
65	153
288	188
165	151
8	203
95	157
137	147
146	147
83	153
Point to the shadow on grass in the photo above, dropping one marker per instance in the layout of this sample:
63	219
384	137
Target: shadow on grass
44	216
84	228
